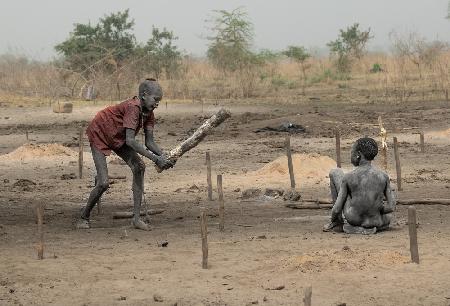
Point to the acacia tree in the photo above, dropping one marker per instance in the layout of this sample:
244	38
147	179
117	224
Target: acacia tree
351	43
105	45
231	39
300	55
160	54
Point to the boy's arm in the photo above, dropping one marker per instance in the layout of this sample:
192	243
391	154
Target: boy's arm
340	201
150	142
131	142
390	207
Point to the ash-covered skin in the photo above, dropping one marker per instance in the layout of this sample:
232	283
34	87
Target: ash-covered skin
150	94
358	195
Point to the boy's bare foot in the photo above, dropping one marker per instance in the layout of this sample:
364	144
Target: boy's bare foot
83	224
350	229
333	226
139	224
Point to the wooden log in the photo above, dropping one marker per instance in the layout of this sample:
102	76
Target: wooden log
397	165
308	296
204	235
338	148
221	203
424	202
308	206
198	135
208	175
326	204
422	142
80	154
129	214
289	159
412	225
40	230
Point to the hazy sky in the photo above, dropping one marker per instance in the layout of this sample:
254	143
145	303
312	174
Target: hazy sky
34	27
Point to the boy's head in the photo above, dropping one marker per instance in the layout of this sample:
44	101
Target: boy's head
364	148
150	94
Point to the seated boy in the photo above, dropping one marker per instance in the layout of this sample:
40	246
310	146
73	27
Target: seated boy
358	195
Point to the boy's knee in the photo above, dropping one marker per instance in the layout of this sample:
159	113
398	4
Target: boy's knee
139	167
103	185
336	171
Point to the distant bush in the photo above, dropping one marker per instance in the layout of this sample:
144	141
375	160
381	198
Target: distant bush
376	68
328	75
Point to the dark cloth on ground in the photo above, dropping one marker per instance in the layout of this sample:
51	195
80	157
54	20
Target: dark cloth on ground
286	127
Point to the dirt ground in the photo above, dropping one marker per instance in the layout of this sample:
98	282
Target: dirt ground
268	254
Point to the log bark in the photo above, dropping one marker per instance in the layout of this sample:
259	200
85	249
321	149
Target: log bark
129	214
198	135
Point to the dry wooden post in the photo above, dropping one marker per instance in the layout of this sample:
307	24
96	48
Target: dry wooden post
338	148
204	232
166	105
208	175
221	203
422	142
383	136
397	165
80	155
308	295
412	224
289	158
40	222
384	155
26	134
446	95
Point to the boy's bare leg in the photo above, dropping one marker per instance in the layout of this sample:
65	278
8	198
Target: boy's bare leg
138	169
100	187
336	176
351	229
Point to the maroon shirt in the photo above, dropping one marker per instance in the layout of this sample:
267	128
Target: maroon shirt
106	131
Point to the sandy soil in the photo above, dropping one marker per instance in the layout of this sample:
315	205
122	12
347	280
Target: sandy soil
268	254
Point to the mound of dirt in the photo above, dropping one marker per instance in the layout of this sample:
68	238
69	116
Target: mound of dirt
439	134
306	166
34	151
345	259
